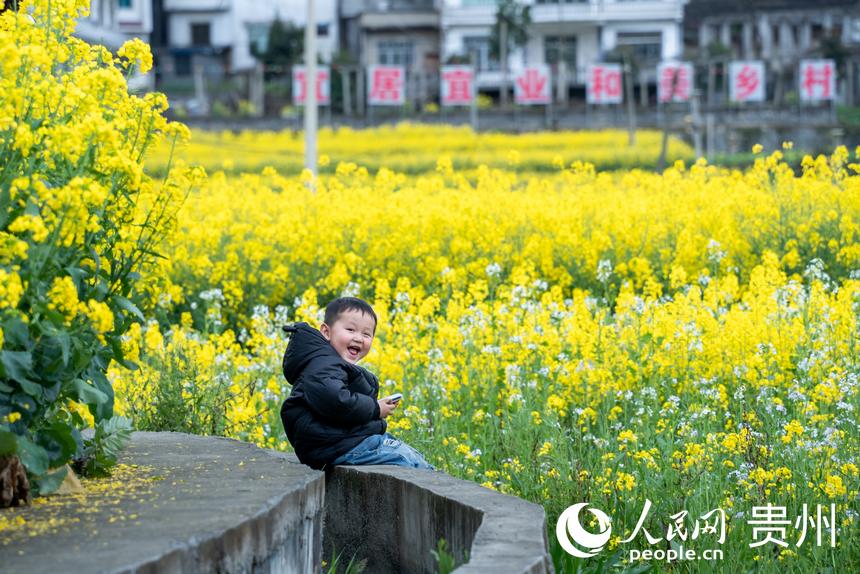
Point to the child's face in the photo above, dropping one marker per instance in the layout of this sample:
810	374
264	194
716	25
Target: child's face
351	335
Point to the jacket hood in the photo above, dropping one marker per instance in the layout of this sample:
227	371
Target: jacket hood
306	343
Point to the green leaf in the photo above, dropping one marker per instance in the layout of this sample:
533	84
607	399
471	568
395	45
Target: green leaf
59	442
110	438
17	365
77	419
89	394
65	342
25	404
48	357
103	410
130	307
8	443
94	255
79	275
51	482
114	433
16	333
34	457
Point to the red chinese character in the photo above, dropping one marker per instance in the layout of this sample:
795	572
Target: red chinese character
605	84
302	81
387	85
303	86
674	84
746	82
532	84
817	80
459	86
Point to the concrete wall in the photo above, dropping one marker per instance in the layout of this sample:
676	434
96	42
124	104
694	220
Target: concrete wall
195	505
206	504
395	516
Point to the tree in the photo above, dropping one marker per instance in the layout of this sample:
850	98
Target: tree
510	30
832	48
284	48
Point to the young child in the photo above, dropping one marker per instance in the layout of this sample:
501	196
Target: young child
332	415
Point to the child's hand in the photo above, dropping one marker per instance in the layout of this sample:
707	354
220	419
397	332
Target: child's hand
385	408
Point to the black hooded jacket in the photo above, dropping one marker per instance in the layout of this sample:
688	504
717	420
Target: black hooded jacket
332	406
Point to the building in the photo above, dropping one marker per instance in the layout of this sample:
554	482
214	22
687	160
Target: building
395	32
219	34
771	29
781	33
571	34
112	22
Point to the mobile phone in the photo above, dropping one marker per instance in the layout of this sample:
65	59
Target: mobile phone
395	398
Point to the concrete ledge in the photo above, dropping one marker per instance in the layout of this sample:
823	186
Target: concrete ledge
181	503
394	517
194	504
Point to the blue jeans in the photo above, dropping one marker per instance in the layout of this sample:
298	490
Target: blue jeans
384	449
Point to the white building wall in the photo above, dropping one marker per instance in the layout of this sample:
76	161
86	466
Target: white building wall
595	24
111	26
587	51
670	34
230	19
136	19
198	5
295	11
220	28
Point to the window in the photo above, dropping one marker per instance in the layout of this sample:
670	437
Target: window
560	49
258	37
647	46
480	46
396	52
126	3
322	29
200	34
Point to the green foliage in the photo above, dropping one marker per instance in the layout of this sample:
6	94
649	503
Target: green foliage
518	18
79	225
285	46
354	566
446	562
99	453
220	109
833	49
177	404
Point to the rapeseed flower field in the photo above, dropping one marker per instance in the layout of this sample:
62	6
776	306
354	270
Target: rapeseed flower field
687	338
404	148
678	348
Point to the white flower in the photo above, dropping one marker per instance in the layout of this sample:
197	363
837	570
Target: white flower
815	271
212	295
351	290
604	270
715	254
